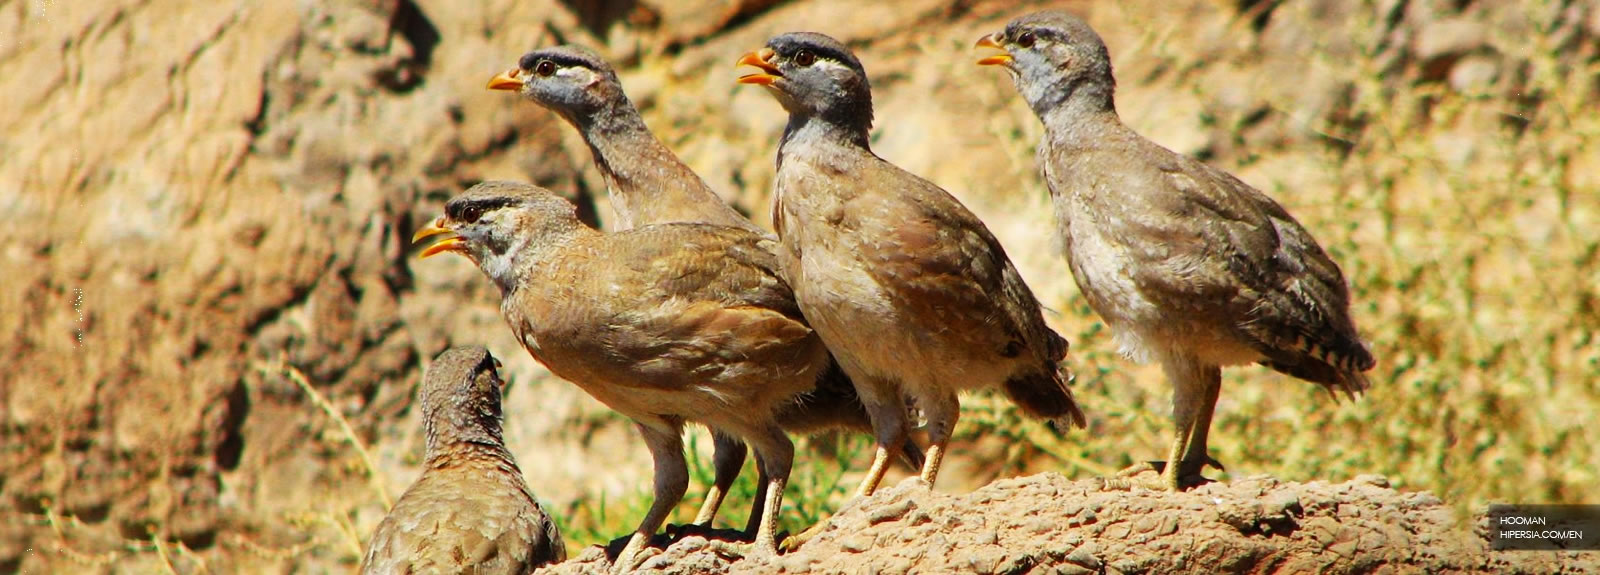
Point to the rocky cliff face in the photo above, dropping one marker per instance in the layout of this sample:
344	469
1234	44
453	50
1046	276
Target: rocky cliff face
203	198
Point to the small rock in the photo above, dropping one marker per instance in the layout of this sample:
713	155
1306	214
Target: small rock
856	543
1372	479
890	512
989	537
1084	557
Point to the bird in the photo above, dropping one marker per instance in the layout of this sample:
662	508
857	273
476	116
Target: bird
1189	266
649	184
666	324
910	290
470	510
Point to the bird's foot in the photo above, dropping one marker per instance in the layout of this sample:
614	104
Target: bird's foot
793	542
1135	476
630	561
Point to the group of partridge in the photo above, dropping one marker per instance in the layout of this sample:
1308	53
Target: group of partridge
880	295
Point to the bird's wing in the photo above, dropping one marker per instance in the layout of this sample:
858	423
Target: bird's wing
940	261
1202	242
707	303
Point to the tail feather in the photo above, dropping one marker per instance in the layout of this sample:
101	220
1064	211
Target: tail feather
1045	395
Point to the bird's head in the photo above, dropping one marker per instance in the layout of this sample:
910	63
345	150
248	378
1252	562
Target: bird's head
498	224
1051	55
460	398
813	75
569	80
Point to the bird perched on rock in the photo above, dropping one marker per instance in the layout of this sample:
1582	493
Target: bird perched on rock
1189	266
666	324
648	185
911	292
470	511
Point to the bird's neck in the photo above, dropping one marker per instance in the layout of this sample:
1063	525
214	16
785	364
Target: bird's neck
533	247
458	449
806	134
1082	118
1071	99
648	183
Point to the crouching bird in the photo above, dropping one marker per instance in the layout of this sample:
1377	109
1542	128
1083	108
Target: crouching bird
1187	265
470	511
911	292
666	324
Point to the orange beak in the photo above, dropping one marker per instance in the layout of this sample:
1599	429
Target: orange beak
1002	59
760	59
453	243
506	80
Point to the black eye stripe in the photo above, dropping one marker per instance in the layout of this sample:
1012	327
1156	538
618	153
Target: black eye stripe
470	210
531	60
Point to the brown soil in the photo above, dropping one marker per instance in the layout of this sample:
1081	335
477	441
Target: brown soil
1047	524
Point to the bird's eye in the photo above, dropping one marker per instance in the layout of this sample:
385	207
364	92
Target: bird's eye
1026	40
471	214
545	68
805	58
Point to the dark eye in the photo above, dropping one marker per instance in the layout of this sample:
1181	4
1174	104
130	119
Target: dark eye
805	58
1026	40
545	68
471	214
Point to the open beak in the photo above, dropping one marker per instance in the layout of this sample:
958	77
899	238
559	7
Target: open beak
1001	59
451	243
506	80
761	59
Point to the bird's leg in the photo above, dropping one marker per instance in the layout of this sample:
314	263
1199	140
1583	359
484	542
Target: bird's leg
672	479
1190	389
727	457
775	455
1195	457
753	525
887	410
941	414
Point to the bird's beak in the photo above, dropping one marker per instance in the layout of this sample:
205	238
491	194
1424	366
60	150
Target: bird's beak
506	80
1001	59
452	243
761	59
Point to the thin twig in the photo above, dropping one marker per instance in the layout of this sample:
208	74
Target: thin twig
349	432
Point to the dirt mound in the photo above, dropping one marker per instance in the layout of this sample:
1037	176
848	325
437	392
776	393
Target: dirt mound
1046	523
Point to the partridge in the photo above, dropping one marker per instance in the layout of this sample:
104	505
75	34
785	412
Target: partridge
911	292
470	511
1189	266
666	324
648	184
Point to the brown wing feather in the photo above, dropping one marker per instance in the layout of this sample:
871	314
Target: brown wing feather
1246	263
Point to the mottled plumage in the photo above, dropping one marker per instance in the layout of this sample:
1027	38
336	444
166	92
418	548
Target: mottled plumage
470	511
666	324
909	289
648	185
1189	266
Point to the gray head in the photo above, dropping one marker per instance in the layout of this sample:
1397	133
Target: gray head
496	223
814	76
1055	59
460	398
572	81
